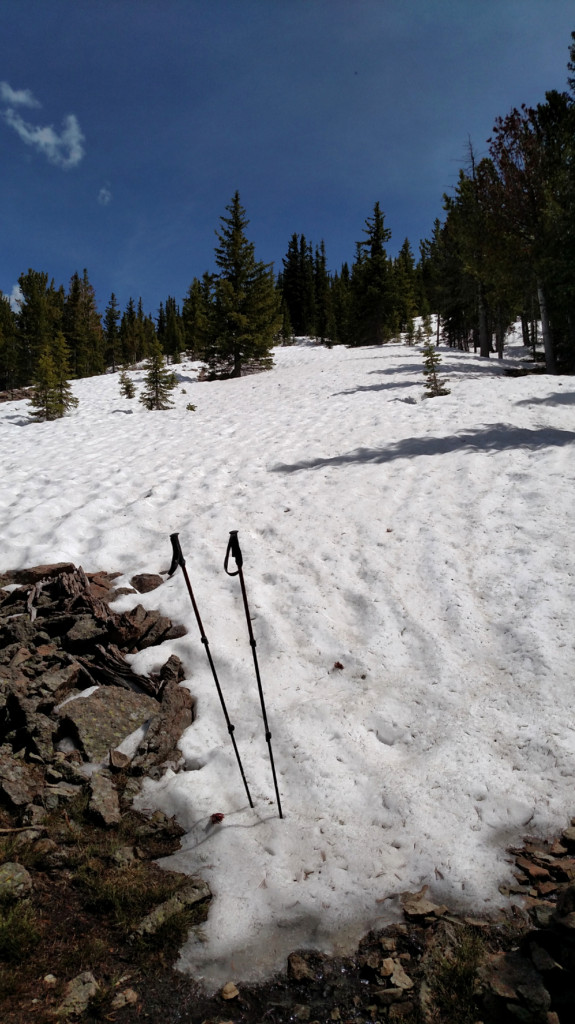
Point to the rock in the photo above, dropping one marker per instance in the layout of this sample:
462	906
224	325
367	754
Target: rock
85	633
57	684
144	628
15	882
399	978
118	761
144	582
36	573
104	803
106	717
298	968
387	996
79	991
19	784
230	991
414	904
513	978
172	718
194	892
50	980
568	836
126	998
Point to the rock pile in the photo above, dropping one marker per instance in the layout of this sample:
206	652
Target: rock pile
78	732
60	640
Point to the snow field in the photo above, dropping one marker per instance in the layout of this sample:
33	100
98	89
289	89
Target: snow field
426	546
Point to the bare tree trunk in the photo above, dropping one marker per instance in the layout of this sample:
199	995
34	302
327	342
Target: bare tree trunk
525	329
550	364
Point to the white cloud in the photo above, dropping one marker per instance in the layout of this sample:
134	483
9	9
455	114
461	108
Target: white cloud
17	97
64	149
104	196
15	297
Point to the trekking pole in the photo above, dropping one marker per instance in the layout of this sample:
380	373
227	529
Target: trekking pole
235	550
179	560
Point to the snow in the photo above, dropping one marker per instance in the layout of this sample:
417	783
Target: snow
424	545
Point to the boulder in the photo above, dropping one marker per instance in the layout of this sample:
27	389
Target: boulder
105	718
15	882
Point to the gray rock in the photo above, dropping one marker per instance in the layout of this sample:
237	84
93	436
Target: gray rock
18	783
102	720
78	994
85	632
15	882
173	716
194	892
104	803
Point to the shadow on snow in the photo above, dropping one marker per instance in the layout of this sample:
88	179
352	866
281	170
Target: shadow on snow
496	438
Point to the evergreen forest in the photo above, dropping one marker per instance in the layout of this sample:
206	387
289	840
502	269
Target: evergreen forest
504	250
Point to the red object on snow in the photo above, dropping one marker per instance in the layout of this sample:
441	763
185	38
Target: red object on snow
217	817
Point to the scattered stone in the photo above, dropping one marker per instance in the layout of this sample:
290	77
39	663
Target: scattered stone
230	991
195	891
387	996
414	904
15	882
399	978
50	980
104	803
126	998
144	582
79	991
298	968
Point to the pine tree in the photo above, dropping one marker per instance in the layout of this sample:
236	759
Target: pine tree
127	387
82	327
158	382
38	319
8	346
173	340
197	314
431	360
373	314
112	333
44	393
64	399
245	321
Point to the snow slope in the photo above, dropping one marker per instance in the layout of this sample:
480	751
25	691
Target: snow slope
424	545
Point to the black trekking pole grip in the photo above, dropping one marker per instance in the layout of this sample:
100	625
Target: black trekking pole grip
235	551
177	554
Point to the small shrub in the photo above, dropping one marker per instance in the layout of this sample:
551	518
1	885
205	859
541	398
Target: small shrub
18	932
191	407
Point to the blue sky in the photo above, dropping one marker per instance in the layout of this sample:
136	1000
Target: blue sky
127	125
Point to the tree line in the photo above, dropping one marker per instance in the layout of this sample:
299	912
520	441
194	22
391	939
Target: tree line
504	250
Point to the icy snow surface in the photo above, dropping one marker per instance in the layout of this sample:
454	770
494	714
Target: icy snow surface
424	545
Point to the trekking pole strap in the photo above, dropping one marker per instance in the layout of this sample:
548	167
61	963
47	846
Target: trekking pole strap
235	551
